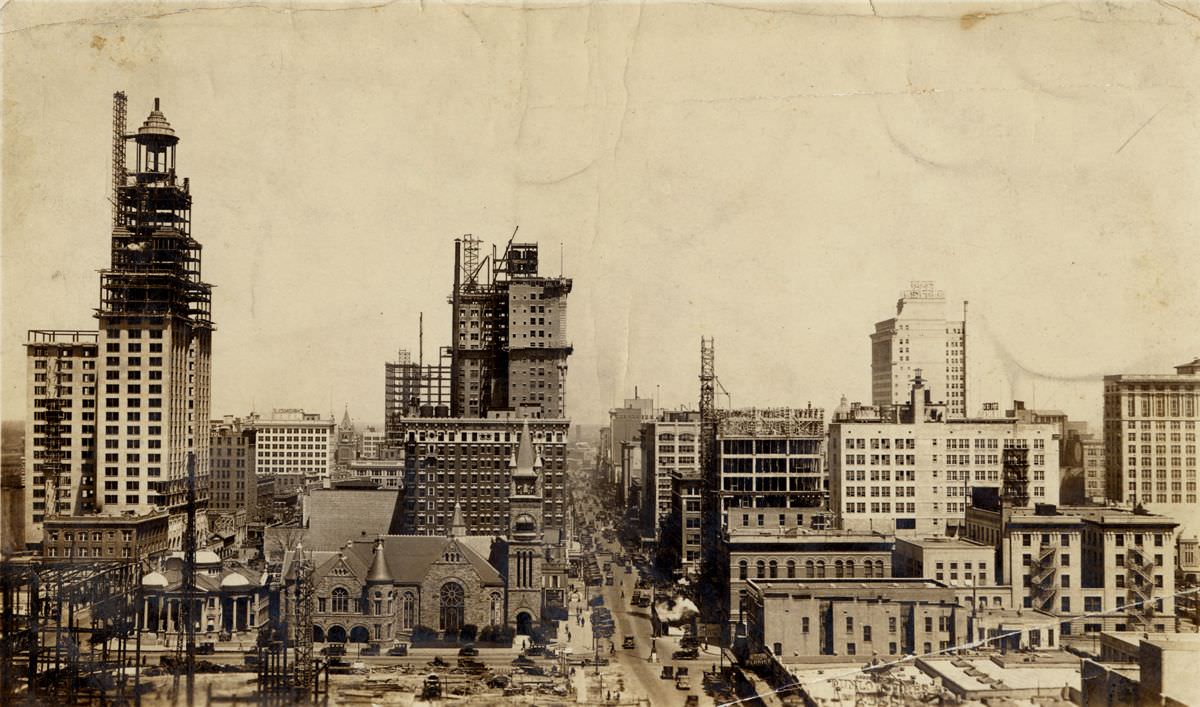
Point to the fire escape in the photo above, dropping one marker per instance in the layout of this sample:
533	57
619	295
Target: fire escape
1043	575
1139	588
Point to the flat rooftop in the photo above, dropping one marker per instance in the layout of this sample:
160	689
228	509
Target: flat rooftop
972	674
943	543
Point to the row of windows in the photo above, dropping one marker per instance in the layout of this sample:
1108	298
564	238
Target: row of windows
769	569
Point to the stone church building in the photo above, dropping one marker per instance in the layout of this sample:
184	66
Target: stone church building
380	590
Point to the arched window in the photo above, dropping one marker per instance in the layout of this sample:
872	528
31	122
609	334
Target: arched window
774	569
879	568
869	568
808	569
341	601
742	565
450	617
849	568
791	569
409	618
760	568
839	569
820	569
497	609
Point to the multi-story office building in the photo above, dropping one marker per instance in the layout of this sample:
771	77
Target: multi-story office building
1084	561
912	468
770	459
625	432
60	427
372	442
670	446
966	565
150	359
861	617
94	538
417	389
920	339
765	545
233	484
509	344
384	473
1150	442
679	544
294	446
466	461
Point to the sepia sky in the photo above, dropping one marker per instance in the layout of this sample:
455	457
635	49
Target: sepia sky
771	175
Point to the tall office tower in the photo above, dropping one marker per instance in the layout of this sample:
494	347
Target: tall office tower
1150	442
625	430
60	427
155	336
920	337
508	348
771	458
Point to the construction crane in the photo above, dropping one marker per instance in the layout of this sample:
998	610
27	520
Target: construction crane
118	154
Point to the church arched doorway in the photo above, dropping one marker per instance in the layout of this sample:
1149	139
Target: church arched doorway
524	623
359	634
337	634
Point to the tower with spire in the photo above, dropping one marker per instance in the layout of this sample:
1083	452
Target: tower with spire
155	337
525	547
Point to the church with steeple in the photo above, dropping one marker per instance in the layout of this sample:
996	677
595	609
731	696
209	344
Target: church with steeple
390	589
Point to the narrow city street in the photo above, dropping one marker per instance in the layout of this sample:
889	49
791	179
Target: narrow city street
633	673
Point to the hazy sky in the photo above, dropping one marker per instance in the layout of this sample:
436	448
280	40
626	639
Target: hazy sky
771	176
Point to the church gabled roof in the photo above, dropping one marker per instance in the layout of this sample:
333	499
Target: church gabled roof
410	557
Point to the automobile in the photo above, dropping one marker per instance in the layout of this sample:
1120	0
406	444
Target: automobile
401	649
668	672
692	701
682	682
608	580
628	642
369	650
468	650
207	648
689	654
432	687
522	660
688	642
334	649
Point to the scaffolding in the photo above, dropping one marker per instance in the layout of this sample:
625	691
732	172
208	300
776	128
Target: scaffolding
67	632
155	262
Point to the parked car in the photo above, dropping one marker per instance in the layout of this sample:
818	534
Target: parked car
369	650
468	650
692	701
668	672
688	642
689	654
334	649
401	649
682	682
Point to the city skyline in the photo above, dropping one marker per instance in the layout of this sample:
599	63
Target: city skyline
744	205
